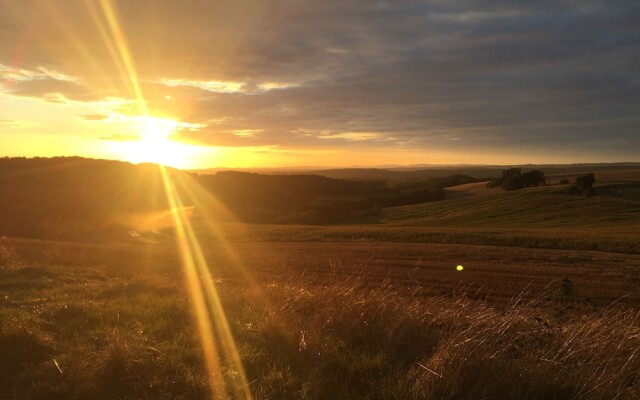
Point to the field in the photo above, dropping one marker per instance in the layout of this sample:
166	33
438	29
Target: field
545	307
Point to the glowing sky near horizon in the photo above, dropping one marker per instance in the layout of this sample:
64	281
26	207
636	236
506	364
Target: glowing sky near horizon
201	84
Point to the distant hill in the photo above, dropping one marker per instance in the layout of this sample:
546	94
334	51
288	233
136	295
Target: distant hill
359	173
417	173
40	195
616	205
425	171
78	198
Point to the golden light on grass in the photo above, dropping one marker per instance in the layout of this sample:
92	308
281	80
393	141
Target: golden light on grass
217	342
212	323
212	211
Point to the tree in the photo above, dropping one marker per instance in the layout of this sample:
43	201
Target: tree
585	181
584	185
513	179
533	178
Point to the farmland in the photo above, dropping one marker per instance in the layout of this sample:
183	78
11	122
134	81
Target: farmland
545	305
363	319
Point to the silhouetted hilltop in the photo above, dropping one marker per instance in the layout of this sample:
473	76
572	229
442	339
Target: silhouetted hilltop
79	198
39	195
76	197
244	189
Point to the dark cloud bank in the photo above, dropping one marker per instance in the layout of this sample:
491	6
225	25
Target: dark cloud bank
539	77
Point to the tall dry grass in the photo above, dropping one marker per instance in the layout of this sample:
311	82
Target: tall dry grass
101	323
347	339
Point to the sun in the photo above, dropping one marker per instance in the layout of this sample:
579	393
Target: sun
154	128
155	143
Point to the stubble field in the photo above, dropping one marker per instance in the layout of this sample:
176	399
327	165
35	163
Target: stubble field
359	319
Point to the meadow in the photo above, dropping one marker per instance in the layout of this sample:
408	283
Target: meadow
545	306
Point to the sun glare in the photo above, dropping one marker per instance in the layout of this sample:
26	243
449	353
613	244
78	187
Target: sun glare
153	128
155	143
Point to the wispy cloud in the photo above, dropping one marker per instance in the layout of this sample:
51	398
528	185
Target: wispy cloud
120	138
94	117
210	86
227	87
15	123
39	73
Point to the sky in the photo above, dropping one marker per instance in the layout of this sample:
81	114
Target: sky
276	83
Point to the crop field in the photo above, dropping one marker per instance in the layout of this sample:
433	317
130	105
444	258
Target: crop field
319	320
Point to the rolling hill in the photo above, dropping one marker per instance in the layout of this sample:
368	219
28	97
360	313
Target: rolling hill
542	207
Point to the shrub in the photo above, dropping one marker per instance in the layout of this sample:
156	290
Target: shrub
584	185
513	179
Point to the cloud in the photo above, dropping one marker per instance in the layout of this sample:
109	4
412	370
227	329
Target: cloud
430	74
209	86
94	117
15	123
455	74
353	136
40	73
44	83
121	138
227	87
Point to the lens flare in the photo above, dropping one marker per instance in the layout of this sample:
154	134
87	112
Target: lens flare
212	322
226	373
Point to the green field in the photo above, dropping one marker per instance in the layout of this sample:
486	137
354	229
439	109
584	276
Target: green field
543	207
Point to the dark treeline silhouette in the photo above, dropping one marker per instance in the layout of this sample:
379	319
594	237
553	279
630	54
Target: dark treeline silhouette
243	189
286	198
314	199
78	198
514	178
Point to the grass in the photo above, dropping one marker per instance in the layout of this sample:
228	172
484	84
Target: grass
545	217
544	207
321	321
610	238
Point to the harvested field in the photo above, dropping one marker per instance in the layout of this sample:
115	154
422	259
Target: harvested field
320	320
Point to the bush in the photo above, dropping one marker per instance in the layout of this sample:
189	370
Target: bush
584	185
513	179
585	181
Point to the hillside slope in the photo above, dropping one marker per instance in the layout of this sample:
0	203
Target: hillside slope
544	207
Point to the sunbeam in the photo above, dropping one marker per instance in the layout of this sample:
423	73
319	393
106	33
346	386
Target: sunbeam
209	312
115	40
217	341
208	205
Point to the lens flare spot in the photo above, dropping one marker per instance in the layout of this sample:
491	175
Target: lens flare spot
460	268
